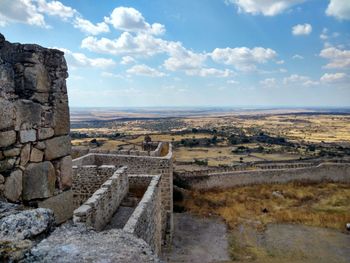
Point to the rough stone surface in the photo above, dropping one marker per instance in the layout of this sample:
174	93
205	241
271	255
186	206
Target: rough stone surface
20	230
61	205
27	136
28	114
33	109
25	154
45	133
38	181
57	147
2	179
36	155
7	164
6	113
77	244
7	138
12	152
26	224
13	186
64	172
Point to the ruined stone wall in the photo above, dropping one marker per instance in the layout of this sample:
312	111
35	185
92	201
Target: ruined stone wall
145	221
323	172
98	210
35	162
87	179
144	165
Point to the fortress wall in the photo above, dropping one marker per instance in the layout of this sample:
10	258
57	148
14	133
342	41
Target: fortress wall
87	179
183	173
145	222
35	148
323	172
98	210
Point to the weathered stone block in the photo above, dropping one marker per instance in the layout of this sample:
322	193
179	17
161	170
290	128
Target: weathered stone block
13	186
12	152
40	145
6	114
27	136
36	155
61	117
28	114
61	205
7	138
45	133
36	78
2	179
57	147
64	172
25	154
7	164
38	181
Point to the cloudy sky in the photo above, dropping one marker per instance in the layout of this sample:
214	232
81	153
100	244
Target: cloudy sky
193	52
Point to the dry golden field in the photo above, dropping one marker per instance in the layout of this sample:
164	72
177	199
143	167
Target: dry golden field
323	205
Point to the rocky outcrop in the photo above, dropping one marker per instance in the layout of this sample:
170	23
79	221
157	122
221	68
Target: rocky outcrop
34	123
21	229
78	244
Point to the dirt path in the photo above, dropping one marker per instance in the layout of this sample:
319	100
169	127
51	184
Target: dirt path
198	239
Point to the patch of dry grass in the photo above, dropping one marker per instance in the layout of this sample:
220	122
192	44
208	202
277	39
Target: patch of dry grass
323	205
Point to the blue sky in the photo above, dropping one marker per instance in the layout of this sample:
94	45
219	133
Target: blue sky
193	52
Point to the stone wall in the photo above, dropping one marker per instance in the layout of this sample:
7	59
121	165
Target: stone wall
98	210
322	172
35	162
143	165
87	179
145	222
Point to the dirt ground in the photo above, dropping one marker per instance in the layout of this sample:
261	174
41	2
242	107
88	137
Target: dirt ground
289	243
196	239
203	240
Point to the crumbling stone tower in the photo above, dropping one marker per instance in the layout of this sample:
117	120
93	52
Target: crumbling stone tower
35	148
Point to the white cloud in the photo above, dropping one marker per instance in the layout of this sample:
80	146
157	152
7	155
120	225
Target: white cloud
337	58
141	44
340	9
56	8
131	20
210	72
243	58
304	29
269	82
333	77
280	62
110	75
296	56
87	27
145	70
183	59
22	11
232	81
310	83
76	60
296	79
127	60
265	7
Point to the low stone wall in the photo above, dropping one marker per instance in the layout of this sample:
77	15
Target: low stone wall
145	222
159	151
87	179
143	165
323	172
98	210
